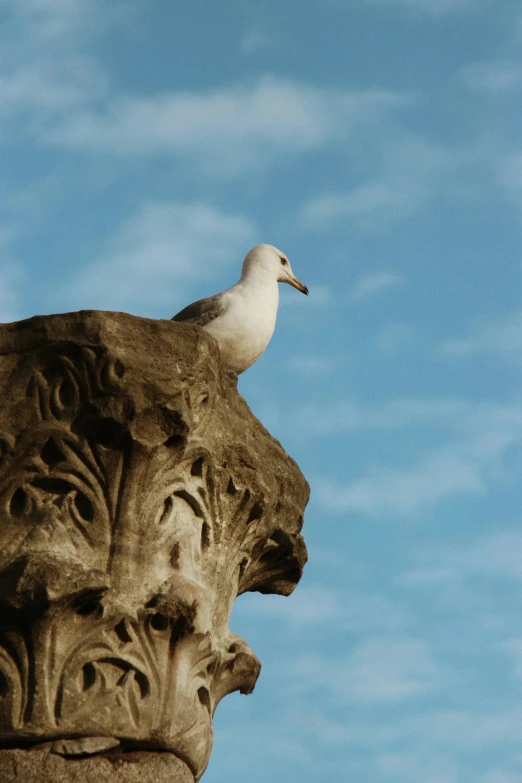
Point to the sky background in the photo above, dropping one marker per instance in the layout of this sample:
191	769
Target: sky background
145	146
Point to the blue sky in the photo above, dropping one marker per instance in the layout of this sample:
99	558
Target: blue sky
146	146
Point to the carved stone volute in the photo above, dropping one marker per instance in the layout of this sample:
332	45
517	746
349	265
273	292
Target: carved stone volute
139	497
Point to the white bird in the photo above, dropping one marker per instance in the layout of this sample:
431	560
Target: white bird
242	319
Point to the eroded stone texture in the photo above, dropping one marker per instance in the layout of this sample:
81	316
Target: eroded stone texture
138	497
24	766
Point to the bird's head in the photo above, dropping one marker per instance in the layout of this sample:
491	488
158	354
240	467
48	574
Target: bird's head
272	261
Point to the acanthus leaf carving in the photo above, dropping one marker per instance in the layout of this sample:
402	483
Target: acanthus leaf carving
136	503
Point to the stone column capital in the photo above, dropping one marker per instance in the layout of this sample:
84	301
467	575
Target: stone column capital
139	496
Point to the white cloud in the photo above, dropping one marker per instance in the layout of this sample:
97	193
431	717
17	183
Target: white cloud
498	555
308	605
46	66
446	414
53	19
396	743
513	648
26	203
233	126
413	172
509	174
500	775
322	727
255	40
164	246
370	285
471	729
377	196
313	605
61	24
411	767
243	743
490	557
47	88
393	337
435	739
52	80
473	456
311	365
492	76
502	337
404	491
378	670
324	730
434	7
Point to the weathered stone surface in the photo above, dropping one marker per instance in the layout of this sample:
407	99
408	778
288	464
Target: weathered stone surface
24	766
138	497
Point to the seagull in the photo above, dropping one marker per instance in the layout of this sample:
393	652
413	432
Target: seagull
242	319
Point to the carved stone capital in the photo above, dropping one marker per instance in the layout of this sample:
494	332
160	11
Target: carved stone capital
139	497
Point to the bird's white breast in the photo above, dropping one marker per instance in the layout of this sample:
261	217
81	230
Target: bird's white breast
244	330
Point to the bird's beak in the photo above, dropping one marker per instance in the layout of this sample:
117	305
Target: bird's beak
297	284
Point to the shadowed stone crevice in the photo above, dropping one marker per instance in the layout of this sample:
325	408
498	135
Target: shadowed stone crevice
139	497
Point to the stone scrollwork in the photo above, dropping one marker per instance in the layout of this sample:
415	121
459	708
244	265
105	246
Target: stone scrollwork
138	498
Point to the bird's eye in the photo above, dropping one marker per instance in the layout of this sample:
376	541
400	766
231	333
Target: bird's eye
284	261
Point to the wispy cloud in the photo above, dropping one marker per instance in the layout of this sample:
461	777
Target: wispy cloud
469	728
370	285
46	68
502	337
494	76
372	197
378	670
501	775
164	246
315	605
404	491
509	174
473	456
431	736
448	415
433	7
413	172
55	19
392	337
513	648
53	81
476	582
256	40
46	91
308	606
311	365
385	731
377	744
239	124
496	556
411	767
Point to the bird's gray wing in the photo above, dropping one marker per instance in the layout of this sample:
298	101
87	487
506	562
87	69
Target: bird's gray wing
202	312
